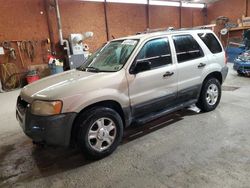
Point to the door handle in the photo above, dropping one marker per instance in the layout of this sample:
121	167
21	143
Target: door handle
201	65
168	74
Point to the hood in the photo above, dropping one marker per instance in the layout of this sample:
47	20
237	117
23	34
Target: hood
59	85
244	56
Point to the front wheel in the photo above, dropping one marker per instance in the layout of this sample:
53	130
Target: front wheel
240	73
210	95
100	132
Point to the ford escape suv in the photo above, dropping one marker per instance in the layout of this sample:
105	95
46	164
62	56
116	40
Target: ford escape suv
129	80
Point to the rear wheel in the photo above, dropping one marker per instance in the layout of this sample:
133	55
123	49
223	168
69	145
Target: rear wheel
210	95
100	132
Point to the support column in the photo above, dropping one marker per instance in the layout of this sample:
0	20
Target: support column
180	15
147	15
47	6
106	20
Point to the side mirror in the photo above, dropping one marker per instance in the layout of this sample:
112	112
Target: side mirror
141	65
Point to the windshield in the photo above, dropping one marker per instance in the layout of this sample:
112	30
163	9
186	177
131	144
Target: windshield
111	57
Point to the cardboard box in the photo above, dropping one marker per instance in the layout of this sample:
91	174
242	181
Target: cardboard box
246	21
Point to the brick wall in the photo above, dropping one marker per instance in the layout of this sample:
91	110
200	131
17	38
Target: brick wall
22	20
233	9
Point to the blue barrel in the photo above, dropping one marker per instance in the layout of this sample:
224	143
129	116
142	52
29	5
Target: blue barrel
55	69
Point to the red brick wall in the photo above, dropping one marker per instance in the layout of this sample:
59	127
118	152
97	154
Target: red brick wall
161	17
126	19
198	17
233	9
79	17
21	20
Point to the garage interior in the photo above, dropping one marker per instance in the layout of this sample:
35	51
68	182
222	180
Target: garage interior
186	148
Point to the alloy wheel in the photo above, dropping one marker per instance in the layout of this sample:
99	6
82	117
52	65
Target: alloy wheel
102	134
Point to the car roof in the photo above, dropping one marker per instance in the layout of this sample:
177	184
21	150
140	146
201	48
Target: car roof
144	36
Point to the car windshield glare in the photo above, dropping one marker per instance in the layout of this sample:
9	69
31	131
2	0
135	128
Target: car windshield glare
111	57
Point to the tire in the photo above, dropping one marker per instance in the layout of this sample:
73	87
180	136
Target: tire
240	73
100	131
209	100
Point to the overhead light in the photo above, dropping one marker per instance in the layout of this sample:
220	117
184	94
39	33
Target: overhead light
193	5
164	3
154	2
93	0
120	1
128	1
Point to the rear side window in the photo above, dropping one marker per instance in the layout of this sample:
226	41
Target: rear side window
157	51
211	42
187	48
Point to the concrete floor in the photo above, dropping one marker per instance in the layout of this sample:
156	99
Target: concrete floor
184	149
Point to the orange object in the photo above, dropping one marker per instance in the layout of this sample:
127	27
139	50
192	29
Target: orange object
57	107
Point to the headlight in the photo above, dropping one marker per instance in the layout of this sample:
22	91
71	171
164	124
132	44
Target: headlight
46	108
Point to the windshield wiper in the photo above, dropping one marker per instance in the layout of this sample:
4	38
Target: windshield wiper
94	69
80	68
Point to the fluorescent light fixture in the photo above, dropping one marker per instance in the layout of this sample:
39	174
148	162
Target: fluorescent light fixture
164	3
93	0
128	1
193	5
154	2
121	1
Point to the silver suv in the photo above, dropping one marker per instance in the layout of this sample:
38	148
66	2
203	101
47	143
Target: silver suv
129	80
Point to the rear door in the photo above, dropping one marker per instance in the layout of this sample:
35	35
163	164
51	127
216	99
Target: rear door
154	89
190	64
217	54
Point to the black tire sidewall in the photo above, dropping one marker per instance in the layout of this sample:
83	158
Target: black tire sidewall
85	123
203	104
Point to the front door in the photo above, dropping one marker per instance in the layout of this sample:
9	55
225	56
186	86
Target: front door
156	88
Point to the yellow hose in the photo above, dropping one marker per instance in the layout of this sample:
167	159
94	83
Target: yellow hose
10	77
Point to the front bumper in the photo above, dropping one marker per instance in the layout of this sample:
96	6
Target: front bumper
53	130
242	66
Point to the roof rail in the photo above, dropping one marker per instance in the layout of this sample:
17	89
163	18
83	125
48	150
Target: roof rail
181	29
155	30
211	26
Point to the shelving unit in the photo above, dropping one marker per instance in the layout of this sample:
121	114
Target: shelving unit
239	28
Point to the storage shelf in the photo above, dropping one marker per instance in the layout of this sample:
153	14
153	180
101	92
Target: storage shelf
239	28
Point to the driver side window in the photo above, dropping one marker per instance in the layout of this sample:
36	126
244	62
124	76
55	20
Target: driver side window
157	52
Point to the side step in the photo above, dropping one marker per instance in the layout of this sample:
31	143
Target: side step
152	116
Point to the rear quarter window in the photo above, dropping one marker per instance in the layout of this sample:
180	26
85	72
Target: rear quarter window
211	42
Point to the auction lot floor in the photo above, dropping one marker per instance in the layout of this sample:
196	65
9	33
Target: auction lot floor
184	149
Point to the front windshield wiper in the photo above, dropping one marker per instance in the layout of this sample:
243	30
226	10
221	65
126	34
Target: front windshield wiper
94	69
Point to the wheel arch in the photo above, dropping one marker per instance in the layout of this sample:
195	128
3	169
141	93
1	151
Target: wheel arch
215	74
108	104
200	103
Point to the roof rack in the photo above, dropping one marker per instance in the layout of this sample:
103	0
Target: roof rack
156	30
181	29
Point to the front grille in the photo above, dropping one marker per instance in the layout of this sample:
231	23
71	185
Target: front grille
22	104
247	68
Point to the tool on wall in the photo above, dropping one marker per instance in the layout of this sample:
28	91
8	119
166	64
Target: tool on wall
31	50
20	54
12	53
